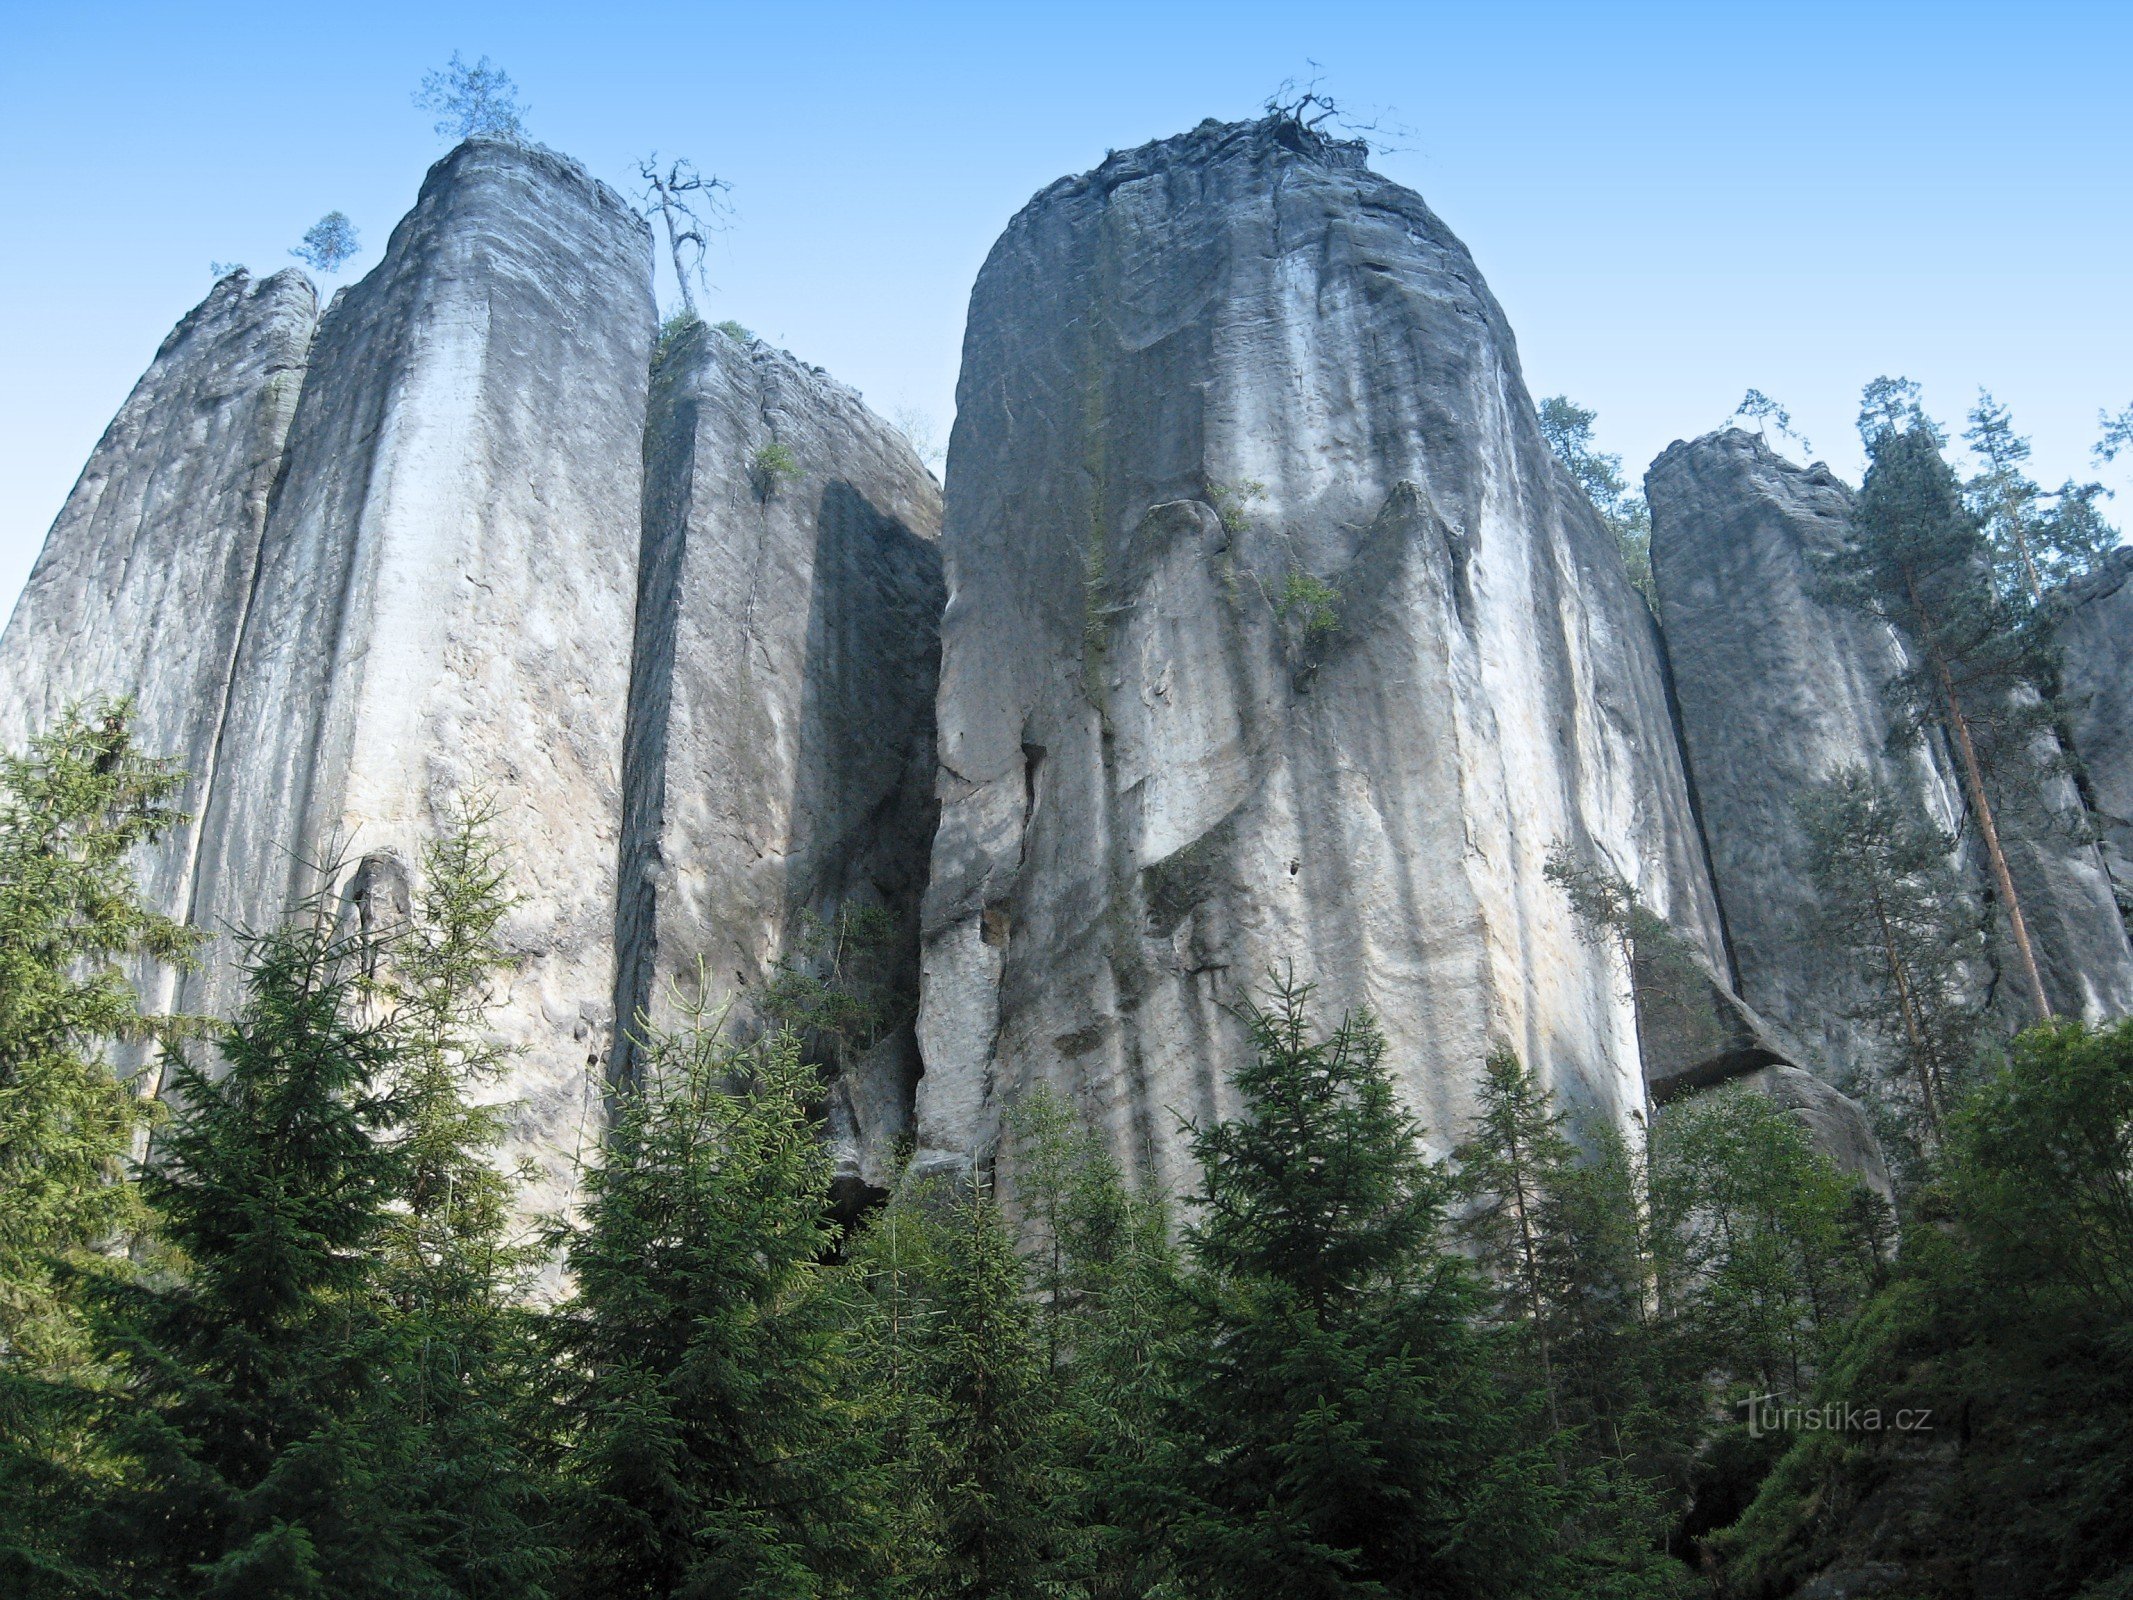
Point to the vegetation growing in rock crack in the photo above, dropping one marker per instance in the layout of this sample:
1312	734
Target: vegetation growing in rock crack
771	467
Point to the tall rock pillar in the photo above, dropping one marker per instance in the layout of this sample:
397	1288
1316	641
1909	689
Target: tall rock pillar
779	788
1274	635
444	602
1778	690
145	580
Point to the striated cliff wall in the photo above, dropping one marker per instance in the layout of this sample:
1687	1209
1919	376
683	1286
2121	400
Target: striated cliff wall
444	601
146	578
1274	633
1777	690
780	756
2093	629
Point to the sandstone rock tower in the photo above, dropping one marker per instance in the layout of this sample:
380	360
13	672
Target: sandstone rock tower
1777	690
440	553
1274	633
779	772
146	580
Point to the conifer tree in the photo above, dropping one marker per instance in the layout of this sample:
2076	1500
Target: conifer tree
1105	1278
1336	1430
73	808
1888	898
2037	539
263	1456
991	1431
1916	559
706	1449
1509	1170
464	1344
1559	1233
1756	1238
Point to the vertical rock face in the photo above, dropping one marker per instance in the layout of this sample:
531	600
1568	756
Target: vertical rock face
1274	635
144	582
780	756
1777	690
2094	632
444	602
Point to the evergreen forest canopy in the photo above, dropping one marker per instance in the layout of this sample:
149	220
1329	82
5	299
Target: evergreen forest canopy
281	1331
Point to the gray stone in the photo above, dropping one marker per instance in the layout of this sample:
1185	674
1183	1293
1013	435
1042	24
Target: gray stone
1834	1123
2093	628
444	602
1777	690
145	579
780	757
1159	779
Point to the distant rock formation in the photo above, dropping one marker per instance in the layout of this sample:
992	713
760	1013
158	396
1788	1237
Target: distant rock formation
2094	633
145	581
1275	633
1778	689
779	771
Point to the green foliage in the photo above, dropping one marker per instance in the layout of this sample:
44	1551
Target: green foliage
1758	408
477	102
671	332
1567	427
464	1350
1756	1235
73	809
1662	977
770	468
705	1449
1233	503
2037	539
2004	1328
733	330
328	243
1313	602
832	988
1888	897
259	1426
1105	1275
1915	557
1336	1428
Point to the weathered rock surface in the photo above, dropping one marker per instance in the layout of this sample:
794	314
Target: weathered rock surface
1203	386
444	600
1778	690
2094	633
780	763
144	581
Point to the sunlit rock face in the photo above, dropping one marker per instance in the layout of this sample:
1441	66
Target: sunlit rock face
1778	690
2094	633
1275	635
444	604
144	582
779	770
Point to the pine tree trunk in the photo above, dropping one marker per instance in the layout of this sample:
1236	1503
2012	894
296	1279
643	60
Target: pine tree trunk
1911	1026
2003	880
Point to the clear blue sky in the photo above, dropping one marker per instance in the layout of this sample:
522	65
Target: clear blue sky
1673	202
